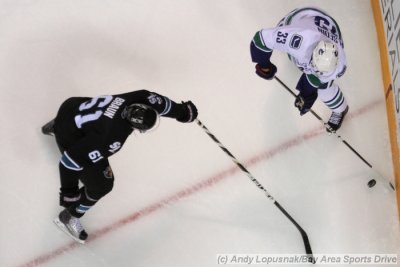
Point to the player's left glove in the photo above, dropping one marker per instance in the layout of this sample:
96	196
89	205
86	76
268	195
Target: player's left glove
304	103
266	73
188	112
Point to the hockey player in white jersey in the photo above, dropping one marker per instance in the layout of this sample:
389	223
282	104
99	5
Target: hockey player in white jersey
313	41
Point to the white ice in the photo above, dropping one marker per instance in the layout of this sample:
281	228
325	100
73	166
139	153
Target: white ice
178	199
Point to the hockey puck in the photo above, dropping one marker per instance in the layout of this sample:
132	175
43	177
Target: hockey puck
371	183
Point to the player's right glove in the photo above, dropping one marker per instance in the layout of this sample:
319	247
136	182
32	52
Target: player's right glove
304	103
188	112
266	72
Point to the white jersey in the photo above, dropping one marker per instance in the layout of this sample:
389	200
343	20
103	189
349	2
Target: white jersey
299	32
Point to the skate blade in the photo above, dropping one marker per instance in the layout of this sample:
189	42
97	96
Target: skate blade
60	225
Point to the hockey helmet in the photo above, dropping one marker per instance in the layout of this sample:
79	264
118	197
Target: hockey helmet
141	116
325	57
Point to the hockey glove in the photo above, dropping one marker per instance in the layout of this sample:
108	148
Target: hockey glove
266	73
188	112
304	103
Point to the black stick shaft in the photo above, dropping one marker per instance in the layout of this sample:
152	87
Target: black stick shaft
260	186
337	135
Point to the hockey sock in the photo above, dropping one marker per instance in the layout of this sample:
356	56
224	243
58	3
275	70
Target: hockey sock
83	205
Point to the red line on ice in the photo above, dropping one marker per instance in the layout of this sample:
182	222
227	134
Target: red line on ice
46	257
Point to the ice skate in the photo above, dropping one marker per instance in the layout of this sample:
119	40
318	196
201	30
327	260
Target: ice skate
336	119
48	128
71	226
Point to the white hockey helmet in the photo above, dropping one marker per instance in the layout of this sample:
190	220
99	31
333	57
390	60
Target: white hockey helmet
325	57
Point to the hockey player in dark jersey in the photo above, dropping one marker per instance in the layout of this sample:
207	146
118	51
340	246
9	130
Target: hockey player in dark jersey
88	131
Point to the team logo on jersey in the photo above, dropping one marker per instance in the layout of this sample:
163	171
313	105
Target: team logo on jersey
295	41
153	99
108	173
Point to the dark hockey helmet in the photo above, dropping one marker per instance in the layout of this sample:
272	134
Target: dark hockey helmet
141	117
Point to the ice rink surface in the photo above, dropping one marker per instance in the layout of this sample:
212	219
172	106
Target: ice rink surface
178	200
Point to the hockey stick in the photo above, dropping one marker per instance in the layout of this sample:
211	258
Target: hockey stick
384	180
254	180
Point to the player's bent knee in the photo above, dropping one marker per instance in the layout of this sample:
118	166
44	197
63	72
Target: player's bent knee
101	190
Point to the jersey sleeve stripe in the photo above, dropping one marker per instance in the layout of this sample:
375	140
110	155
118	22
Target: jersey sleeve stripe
336	101
70	163
168	105
313	80
259	42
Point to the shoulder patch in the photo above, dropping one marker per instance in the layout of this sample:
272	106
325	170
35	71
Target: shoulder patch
295	41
